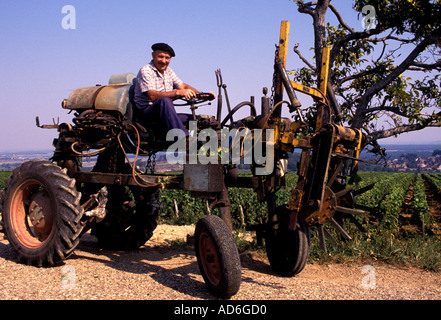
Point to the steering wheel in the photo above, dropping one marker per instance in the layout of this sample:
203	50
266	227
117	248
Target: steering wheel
201	97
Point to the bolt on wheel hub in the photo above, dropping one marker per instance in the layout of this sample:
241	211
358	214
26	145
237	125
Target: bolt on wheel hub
41	215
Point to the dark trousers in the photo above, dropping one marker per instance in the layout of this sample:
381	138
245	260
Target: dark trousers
162	110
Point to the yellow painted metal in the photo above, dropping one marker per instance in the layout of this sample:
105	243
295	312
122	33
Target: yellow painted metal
319	94
358	148
283	53
324	70
307	90
322	87
283	41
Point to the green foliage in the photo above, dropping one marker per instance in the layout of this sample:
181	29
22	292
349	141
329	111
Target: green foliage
414	16
419	205
191	209
419	251
373	73
434	180
389	208
387	238
383	185
3	177
353	53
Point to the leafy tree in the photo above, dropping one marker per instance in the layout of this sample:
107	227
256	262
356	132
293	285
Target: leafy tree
388	71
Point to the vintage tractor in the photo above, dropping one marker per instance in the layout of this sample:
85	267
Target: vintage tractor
48	205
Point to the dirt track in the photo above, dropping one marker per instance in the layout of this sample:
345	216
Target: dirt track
164	270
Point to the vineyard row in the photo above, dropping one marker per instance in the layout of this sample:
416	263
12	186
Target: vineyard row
385	199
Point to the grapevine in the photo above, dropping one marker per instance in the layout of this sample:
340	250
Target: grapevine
419	205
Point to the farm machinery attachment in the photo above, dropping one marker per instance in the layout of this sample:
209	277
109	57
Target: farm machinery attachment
48	205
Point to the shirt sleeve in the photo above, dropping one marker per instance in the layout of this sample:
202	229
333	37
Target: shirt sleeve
146	79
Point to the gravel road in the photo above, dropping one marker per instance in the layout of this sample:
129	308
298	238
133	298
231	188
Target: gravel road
162	269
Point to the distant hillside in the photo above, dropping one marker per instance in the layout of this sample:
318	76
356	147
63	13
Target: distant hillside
413	158
400	158
11	160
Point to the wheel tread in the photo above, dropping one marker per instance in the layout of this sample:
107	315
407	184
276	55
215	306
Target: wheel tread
67	207
228	256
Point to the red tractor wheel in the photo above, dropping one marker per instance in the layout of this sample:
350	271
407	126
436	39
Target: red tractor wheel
41	213
217	256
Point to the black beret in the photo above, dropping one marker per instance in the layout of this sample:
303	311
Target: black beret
163	47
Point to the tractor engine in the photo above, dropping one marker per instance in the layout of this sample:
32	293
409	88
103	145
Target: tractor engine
102	114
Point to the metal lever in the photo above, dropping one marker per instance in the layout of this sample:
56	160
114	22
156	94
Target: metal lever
295	103
55	125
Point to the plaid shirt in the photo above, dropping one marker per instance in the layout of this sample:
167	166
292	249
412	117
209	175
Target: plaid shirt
149	78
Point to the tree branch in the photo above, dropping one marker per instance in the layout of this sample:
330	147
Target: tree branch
388	109
399	130
340	18
425	66
377	69
380	85
339	42
296	50
391	37
318	16
306	8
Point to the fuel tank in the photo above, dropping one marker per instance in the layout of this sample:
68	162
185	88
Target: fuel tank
116	96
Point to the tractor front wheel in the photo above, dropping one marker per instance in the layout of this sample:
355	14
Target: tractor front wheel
288	250
218	257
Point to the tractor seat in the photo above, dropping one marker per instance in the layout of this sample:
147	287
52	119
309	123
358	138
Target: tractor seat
126	78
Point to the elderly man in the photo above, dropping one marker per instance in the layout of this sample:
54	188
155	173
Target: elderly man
156	84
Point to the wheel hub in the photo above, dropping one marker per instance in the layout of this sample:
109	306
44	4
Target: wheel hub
326	211
36	214
210	260
41	215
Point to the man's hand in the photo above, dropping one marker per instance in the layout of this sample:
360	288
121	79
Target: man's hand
214	95
186	93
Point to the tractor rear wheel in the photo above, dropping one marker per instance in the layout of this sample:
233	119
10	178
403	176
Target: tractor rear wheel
132	216
288	250
217	256
132	212
41	213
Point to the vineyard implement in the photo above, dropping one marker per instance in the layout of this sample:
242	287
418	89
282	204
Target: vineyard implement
48	205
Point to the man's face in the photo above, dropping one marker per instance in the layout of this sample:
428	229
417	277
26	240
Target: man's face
161	60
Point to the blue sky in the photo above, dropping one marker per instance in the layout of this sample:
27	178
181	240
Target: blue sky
41	63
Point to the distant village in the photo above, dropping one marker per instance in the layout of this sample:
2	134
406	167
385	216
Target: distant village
411	162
